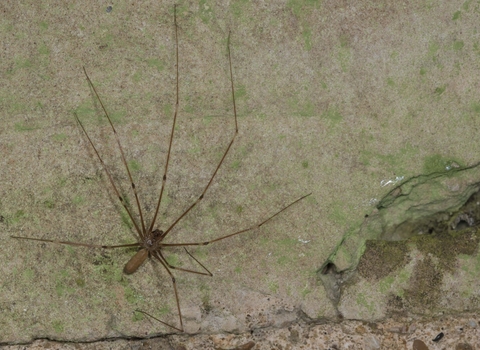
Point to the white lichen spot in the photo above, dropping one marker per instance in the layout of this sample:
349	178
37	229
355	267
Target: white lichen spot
397	179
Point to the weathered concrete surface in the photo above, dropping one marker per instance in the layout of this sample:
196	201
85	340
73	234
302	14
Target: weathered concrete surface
459	333
416	254
333	99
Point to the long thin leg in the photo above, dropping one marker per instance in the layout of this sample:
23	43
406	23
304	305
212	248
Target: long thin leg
159	256
164	263
164	179
143	232
235	233
140	233
226	151
156	319
187	270
78	244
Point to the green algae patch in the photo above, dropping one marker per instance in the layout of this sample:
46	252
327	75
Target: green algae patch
107	268
58	326
80	282
134	166
366	301
28	275
333	115
137	316
386	284
25	127
131	296
437	163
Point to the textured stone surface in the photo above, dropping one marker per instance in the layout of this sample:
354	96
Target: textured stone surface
342	100
460	333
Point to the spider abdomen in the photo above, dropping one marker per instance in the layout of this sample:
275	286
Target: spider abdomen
136	261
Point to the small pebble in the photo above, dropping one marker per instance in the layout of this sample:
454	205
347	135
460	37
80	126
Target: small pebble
246	346
419	345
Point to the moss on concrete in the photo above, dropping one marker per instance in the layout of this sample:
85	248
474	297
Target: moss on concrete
381	259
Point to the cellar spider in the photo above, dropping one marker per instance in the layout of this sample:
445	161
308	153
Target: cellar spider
150	239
